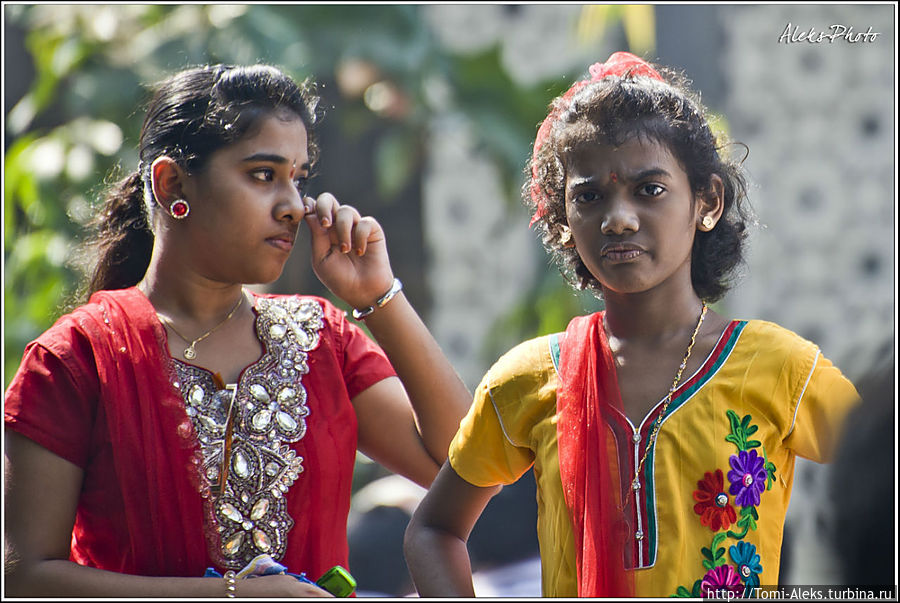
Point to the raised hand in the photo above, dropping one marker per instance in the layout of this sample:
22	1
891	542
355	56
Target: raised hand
349	253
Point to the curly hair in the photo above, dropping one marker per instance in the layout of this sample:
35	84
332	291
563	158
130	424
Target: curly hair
611	110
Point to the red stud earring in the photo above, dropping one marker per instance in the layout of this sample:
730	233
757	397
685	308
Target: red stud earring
179	209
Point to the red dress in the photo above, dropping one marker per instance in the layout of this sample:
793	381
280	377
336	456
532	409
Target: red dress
100	390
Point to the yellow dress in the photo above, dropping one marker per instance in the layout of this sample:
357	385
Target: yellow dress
716	485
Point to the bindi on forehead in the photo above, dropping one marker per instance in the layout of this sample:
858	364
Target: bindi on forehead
613	177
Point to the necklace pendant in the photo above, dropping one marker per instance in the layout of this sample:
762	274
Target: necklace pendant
189	352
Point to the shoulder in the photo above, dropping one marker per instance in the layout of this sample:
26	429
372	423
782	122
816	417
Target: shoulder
528	361
777	340
526	373
75	329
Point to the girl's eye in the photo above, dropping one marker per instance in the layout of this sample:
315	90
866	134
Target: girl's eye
652	190
585	197
263	174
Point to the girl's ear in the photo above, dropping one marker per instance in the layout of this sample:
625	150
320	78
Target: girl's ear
711	204
166	178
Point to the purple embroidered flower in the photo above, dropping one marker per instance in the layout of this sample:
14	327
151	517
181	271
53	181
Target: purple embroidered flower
719	580
747	477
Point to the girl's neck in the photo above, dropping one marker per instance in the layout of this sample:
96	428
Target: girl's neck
650	317
180	295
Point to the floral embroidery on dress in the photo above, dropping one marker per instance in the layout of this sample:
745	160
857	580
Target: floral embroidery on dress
264	414
750	476
713	504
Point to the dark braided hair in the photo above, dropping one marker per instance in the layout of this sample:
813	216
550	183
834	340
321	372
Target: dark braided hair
611	110
191	115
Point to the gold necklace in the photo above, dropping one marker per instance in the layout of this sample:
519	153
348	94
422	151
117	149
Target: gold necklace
190	352
635	483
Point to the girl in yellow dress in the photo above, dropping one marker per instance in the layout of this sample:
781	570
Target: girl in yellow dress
662	434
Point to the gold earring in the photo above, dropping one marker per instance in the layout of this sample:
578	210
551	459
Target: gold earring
708	222
565	237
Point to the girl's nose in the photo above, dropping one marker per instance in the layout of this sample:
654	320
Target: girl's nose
290	205
619	218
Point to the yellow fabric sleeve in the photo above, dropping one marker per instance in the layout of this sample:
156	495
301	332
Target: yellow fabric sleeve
822	403
495	443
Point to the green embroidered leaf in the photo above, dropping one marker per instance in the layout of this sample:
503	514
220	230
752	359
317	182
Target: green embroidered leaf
707	553
717	539
734	440
682	592
753	444
753	512
720	560
770	470
695	590
708	565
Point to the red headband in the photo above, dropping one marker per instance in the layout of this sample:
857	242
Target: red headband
618	64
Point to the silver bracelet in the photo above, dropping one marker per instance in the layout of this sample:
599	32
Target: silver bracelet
230	584
396	287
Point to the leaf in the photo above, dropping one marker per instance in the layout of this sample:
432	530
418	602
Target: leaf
707	553
732	416
682	592
717	539
752	444
695	591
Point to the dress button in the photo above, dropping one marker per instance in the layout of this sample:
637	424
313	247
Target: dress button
636	438
639	535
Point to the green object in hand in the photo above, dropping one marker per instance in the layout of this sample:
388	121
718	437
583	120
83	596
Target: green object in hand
337	581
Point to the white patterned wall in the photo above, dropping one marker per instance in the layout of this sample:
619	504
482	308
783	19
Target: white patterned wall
819	121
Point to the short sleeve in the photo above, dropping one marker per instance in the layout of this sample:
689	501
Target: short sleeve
52	399
364	363
824	398
495	444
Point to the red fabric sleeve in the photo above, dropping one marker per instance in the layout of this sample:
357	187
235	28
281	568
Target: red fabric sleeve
52	399
364	362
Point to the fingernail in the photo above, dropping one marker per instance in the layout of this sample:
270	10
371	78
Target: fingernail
326	222
359	251
344	248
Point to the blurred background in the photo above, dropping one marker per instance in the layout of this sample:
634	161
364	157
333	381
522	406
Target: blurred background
431	111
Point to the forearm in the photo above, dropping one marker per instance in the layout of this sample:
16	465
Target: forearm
438	395
60	578
438	562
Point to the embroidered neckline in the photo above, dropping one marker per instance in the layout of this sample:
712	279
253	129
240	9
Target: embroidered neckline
249	517
645	547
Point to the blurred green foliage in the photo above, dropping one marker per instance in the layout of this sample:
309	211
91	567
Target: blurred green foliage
78	124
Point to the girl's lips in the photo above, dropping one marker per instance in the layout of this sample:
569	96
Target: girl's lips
621	252
621	255
283	244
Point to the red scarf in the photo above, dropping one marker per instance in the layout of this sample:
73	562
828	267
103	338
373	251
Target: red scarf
587	463
152	437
